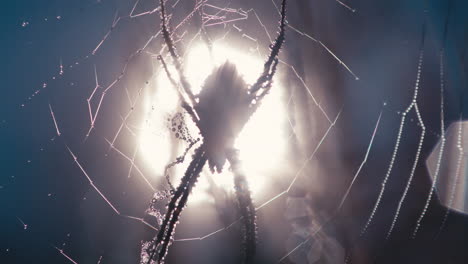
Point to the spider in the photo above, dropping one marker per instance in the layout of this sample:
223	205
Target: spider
220	111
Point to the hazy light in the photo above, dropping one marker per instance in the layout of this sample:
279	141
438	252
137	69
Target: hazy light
261	143
452	186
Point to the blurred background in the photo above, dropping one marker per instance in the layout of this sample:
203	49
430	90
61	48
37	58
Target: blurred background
81	78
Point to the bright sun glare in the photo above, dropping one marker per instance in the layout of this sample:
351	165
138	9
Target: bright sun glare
261	143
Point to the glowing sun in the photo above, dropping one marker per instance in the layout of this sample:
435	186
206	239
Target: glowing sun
261	143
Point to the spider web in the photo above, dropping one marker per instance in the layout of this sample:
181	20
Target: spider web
216	22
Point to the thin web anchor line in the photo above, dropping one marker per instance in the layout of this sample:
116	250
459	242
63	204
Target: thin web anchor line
91	182
337	211
297	174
